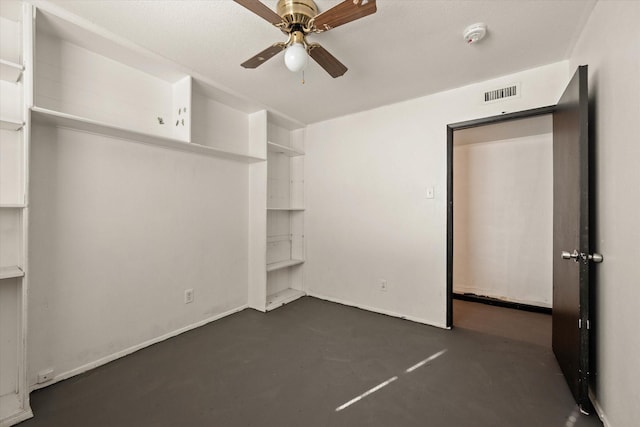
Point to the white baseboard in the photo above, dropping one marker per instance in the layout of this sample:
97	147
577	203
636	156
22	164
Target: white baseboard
376	310
16	418
598	408
117	355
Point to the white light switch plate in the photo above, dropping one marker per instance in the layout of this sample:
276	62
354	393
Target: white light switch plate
430	193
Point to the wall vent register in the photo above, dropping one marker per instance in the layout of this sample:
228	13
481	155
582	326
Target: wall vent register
510	91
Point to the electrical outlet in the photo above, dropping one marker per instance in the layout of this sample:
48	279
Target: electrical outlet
44	376
188	296
383	285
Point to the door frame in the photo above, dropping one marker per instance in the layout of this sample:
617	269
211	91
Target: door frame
524	114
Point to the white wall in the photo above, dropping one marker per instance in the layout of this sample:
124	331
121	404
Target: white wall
118	231
609	45
9	315
367	215
503	216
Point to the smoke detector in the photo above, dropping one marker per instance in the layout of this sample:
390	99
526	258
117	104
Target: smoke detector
474	33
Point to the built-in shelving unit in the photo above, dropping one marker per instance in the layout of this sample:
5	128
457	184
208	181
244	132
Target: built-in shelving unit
60	71
75	66
276	267
54	118
15	60
142	97
285	213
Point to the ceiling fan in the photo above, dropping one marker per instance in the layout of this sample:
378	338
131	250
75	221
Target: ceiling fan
298	18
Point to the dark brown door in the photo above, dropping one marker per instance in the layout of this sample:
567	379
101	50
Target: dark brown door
571	237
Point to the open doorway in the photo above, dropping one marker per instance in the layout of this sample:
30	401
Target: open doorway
501	208
572	255
503	217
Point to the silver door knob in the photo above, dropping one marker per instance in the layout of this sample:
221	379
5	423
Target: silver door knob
597	258
570	255
581	256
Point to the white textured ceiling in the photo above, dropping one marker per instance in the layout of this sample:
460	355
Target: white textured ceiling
409	48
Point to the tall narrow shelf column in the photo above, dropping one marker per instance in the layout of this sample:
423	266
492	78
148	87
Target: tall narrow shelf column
285	213
276	212
16	27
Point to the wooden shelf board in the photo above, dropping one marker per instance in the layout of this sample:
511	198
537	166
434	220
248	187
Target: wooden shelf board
283	297
282	149
12	205
10	272
283	264
9	124
10	71
11	410
56	118
285	209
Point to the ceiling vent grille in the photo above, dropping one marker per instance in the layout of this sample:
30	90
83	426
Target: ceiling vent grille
509	91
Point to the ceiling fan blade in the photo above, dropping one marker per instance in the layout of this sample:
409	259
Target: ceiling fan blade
261	10
327	61
263	56
342	13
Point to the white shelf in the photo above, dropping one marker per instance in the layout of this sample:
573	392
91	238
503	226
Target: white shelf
12	205
9	273
10	71
9	124
283	297
282	149
56	118
11	411
283	264
285	209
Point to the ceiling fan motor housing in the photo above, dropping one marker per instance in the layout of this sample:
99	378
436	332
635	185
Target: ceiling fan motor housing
297	12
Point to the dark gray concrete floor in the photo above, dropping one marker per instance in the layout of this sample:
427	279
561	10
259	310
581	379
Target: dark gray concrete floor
296	365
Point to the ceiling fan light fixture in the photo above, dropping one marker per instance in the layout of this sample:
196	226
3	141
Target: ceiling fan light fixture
299	18
296	57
